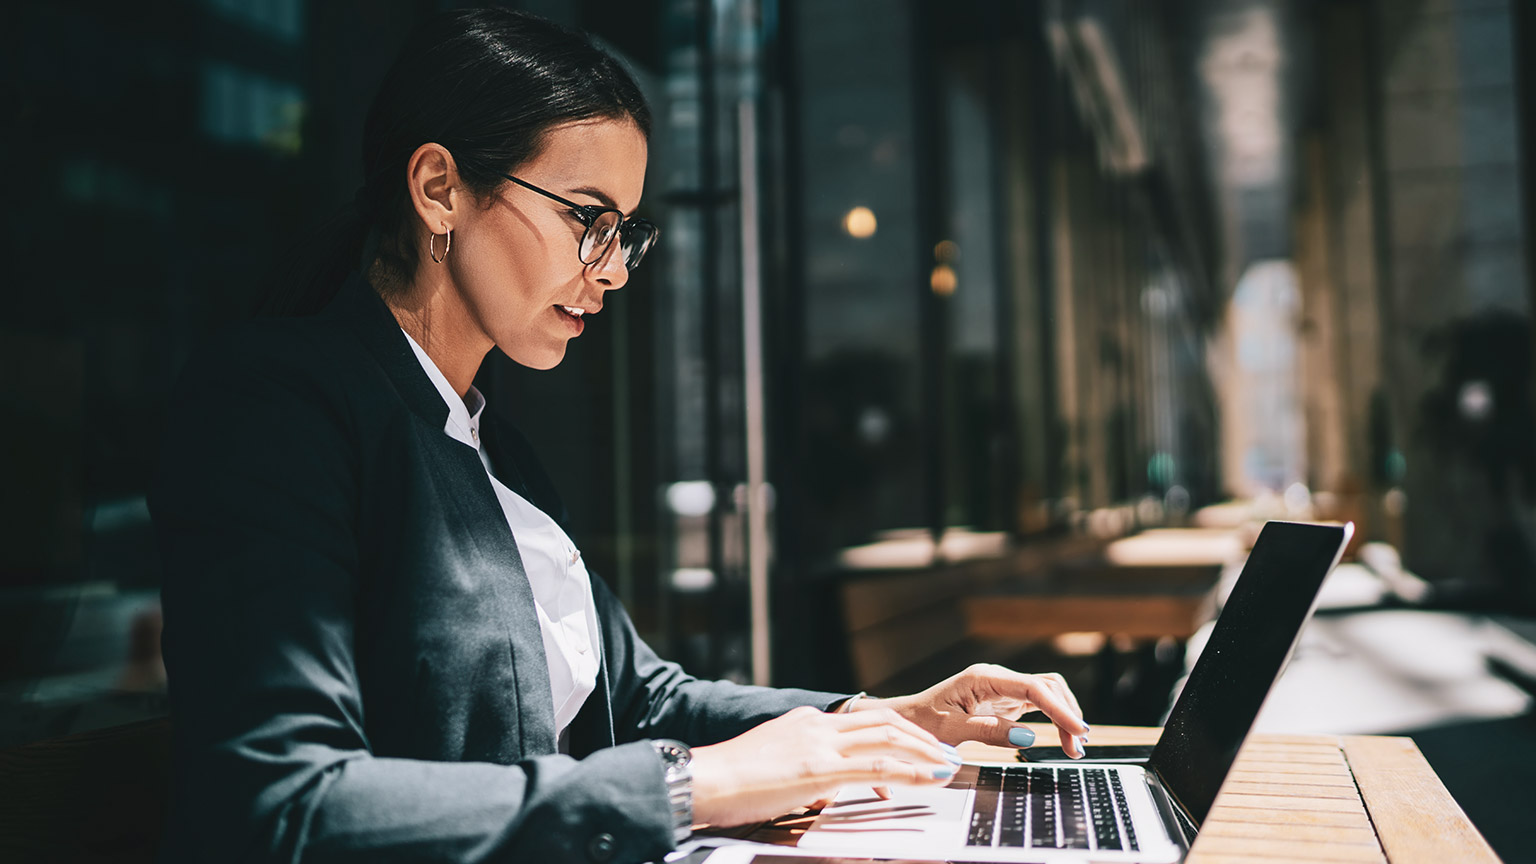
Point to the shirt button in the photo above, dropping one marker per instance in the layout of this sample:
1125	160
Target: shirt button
601	847
474	435
575	555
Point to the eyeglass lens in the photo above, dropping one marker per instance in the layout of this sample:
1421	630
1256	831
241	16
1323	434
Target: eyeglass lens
634	239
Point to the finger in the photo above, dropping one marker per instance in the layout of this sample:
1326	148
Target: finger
886	771
820	804
1037	690
883	793
997	731
1060	685
882	717
894	741
1072	745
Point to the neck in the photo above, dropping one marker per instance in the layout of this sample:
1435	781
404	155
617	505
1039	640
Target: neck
433	312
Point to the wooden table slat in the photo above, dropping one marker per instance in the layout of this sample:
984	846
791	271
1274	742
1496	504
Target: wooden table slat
1290	751
1290	850
1416	818
1342	781
1295	790
1297	758
1289	830
1257	858
1255	816
1316	769
1225	858
1282	802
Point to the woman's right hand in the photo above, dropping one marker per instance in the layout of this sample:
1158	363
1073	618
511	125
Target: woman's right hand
805	756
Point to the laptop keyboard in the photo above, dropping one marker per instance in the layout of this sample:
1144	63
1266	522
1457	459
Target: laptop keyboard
1057	808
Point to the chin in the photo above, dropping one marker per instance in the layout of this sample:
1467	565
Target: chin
540	360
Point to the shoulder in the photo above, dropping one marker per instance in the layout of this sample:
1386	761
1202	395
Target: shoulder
333	360
277	392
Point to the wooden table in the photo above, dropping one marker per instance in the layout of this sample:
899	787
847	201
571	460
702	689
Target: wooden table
1034	617
1147	586
1301	799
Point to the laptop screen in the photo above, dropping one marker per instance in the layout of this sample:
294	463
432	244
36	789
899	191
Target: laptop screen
1247	649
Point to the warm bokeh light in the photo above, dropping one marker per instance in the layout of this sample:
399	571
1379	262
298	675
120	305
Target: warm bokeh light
946	251
860	222
943	280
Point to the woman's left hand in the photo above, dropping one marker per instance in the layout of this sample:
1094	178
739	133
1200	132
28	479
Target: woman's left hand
980	704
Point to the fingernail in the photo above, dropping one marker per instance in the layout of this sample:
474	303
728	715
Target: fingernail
1087	728
1020	736
1079	748
942	772
954	758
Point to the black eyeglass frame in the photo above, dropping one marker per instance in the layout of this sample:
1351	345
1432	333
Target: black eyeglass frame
588	214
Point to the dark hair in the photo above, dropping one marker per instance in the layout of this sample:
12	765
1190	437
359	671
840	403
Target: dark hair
485	83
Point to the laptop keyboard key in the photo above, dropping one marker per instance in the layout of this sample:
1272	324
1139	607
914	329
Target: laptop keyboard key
989	783
1074	821
1125	812
1014	809
1042	807
1101	810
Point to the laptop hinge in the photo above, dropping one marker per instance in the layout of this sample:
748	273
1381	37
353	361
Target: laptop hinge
1180	825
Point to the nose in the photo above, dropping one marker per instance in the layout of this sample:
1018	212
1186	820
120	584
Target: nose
609	271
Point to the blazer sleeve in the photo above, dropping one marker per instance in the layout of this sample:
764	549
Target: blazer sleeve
255	507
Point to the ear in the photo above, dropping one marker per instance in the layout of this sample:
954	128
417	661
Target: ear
432	179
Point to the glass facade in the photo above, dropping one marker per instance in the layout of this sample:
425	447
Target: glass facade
928	271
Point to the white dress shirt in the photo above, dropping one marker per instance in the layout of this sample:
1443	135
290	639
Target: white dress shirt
562	589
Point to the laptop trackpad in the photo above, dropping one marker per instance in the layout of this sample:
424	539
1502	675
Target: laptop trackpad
916	816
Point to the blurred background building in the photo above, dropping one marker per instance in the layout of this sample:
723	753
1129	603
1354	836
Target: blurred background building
952	299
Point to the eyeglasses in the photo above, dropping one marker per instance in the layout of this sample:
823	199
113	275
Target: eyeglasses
636	236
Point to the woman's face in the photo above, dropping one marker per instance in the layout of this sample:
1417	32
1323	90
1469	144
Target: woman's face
515	262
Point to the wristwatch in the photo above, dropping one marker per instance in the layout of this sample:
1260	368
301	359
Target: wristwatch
675	759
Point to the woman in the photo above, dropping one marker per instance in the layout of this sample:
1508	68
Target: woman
381	643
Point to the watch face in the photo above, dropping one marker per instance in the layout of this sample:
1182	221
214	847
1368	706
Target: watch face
674	753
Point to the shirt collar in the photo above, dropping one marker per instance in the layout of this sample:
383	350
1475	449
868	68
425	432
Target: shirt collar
463	414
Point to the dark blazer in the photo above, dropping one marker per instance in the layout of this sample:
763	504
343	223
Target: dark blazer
356	669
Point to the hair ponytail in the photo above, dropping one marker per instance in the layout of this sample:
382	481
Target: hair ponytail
485	83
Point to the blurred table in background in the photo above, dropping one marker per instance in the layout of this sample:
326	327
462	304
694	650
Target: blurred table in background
1145	587
1119	601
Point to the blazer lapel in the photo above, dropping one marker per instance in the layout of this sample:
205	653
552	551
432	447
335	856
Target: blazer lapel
592	727
477	509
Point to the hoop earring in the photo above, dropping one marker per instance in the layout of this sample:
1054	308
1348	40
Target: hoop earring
432	246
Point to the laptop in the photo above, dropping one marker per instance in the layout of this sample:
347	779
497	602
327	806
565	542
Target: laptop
1109	812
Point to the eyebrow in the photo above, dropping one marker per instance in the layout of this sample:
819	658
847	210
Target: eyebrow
601	196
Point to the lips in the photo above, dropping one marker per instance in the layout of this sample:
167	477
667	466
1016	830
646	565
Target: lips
572	316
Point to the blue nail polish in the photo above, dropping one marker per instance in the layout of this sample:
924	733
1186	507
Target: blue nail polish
943	772
1019	736
953	757
1080	752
